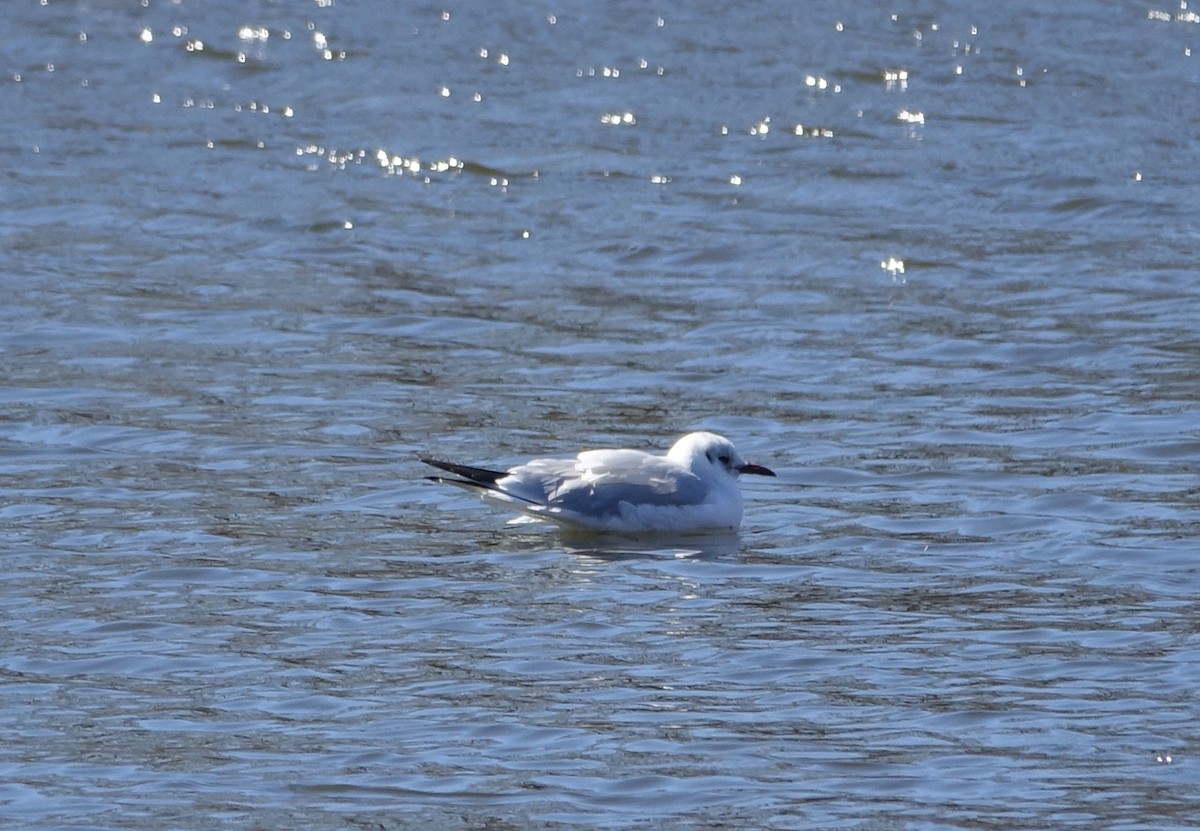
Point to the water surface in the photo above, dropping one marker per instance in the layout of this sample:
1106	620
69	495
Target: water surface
934	265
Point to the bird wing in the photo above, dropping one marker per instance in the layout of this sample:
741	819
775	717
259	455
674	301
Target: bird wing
594	485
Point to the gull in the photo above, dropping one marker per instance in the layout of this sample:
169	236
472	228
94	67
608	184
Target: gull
693	488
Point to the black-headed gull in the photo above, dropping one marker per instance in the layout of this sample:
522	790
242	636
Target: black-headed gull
692	488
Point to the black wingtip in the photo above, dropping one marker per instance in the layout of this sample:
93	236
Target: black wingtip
474	475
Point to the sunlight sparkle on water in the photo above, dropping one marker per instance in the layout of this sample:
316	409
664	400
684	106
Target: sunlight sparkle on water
1184	15
602	72
321	43
394	165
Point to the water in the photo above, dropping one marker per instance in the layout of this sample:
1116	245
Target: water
934	264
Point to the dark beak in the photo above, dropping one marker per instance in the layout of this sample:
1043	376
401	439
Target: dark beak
759	469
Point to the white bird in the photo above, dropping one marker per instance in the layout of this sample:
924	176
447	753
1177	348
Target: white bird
692	488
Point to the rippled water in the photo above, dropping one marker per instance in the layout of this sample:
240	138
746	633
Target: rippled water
934	264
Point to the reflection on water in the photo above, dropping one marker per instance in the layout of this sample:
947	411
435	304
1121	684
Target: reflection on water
936	264
616	548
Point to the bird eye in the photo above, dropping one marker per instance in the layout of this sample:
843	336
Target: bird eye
723	459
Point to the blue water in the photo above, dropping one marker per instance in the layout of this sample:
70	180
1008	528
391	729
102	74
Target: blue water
934	264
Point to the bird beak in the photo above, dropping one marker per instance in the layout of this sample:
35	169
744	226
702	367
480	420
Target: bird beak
759	469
